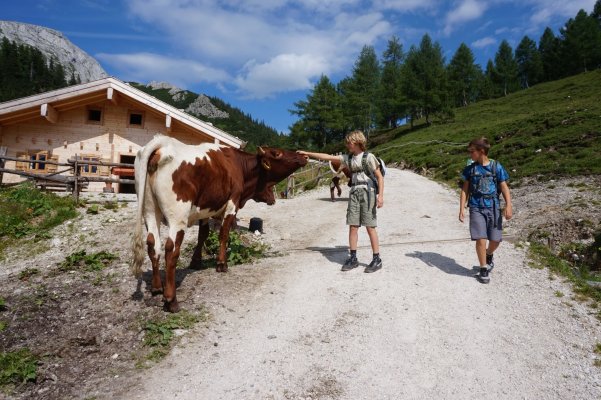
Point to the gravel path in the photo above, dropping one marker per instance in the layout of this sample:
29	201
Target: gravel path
420	328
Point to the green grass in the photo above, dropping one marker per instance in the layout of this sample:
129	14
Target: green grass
25	210
562	119
160	332
80	260
542	256
239	249
17	367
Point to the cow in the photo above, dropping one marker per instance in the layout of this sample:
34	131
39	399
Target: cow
181	184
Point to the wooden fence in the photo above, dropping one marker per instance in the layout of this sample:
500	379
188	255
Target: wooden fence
309	175
74	182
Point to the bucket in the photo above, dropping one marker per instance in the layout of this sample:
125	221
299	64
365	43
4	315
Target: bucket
256	224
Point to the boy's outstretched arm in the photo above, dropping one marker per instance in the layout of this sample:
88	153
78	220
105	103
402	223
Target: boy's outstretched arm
319	156
380	178
463	199
507	197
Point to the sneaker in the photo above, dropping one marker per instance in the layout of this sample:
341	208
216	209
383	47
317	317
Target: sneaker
349	264
374	265
483	276
489	262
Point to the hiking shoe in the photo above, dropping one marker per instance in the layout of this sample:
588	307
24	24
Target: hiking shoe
483	276
349	264
490	262
374	265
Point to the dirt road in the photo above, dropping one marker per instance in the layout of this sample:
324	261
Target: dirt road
421	328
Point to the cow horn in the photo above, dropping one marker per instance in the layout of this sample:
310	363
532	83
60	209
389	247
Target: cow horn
266	164
260	151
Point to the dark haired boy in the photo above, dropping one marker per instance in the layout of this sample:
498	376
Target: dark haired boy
483	182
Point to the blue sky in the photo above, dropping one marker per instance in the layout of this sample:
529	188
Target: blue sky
263	55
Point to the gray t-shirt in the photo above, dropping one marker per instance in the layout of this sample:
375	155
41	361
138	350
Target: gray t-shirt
360	179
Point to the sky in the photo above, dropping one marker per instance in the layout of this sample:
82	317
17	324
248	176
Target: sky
262	56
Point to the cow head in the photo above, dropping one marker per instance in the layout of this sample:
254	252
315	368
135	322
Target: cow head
275	165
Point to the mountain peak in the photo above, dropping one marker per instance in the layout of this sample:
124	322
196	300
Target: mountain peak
53	44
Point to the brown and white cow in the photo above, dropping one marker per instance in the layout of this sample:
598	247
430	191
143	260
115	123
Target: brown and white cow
182	184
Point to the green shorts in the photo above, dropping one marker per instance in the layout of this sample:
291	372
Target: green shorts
361	209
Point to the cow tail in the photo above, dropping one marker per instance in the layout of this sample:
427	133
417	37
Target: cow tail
138	240
141	168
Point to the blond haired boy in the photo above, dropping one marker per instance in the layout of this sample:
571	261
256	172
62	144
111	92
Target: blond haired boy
363	197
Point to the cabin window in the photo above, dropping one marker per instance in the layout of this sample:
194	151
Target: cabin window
33	161
95	116
136	119
37	156
86	169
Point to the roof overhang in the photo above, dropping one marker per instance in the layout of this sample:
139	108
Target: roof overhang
49	104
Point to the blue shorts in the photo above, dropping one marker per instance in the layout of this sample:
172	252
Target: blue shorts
486	224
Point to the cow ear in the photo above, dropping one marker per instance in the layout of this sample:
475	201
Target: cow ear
260	151
265	163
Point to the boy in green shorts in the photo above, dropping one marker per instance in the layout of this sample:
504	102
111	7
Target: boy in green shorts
484	180
364	197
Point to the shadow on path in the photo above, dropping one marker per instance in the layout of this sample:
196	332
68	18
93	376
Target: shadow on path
337	254
443	263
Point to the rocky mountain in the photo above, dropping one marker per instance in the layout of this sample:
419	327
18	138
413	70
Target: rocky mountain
53	44
200	106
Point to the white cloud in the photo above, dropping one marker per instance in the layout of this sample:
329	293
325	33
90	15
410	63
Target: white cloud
467	10
285	72
484	42
251	40
143	67
405	5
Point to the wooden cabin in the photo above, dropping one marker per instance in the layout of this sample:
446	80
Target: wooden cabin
105	120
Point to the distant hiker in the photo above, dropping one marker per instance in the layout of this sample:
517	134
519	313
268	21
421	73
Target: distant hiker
363	196
335	184
484	181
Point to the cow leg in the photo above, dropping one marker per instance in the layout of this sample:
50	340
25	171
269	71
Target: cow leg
224	235
172	249
203	233
153	243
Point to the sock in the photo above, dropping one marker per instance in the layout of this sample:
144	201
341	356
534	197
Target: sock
376	255
483	269
353	253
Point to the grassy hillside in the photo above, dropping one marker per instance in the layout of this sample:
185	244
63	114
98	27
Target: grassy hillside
550	130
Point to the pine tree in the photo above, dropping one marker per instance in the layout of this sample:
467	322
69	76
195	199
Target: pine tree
549	49
362	94
391	101
581	44
464	76
530	65
320	114
506	68
432	73
412	87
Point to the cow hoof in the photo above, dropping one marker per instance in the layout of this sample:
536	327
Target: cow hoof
221	268
196	265
171	306
154	291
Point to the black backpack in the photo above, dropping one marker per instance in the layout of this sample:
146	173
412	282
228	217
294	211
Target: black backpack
364	168
484	180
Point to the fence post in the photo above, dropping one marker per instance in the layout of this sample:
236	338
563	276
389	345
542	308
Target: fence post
76	181
3	151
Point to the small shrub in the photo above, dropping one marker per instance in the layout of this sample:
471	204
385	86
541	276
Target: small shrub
2	304
558	293
93	209
160	332
17	367
87	262
28	273
239	252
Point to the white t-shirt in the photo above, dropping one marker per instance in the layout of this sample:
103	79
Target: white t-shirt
360	179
